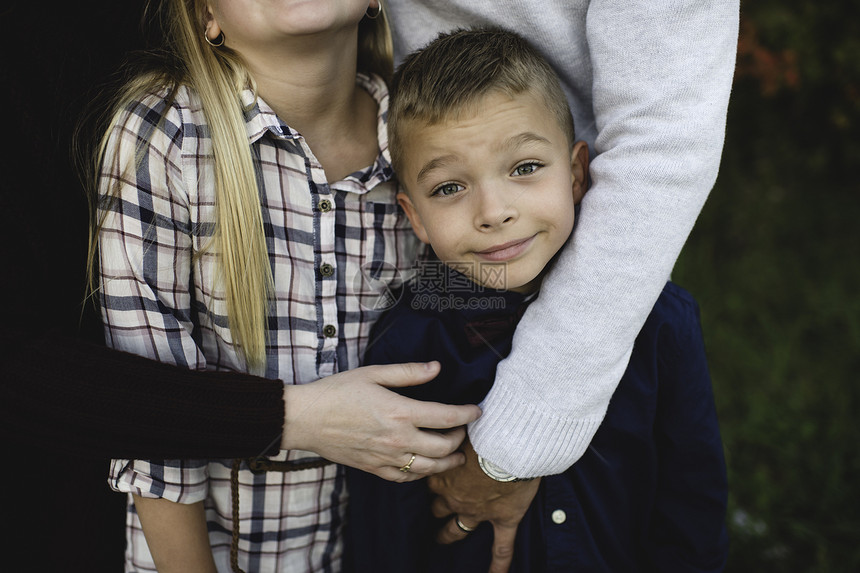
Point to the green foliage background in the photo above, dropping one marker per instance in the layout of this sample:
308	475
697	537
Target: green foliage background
775	263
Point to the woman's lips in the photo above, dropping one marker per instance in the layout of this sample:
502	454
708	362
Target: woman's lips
506	251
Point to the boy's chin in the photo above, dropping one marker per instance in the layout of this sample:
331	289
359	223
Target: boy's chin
496	277
514	284
528	287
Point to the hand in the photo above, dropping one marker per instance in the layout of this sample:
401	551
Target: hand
352	418
466	492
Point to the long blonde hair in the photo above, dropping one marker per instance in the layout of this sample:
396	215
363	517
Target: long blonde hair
219	78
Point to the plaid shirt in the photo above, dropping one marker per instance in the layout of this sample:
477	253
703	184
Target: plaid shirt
332	247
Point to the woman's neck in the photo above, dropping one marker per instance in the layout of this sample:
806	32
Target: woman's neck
311	86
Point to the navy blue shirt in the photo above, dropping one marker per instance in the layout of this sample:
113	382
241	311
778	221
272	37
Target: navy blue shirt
649	494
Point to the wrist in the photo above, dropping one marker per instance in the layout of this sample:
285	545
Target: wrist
292	433
496	473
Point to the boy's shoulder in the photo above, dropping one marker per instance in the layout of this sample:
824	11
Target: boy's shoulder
675	301
674	323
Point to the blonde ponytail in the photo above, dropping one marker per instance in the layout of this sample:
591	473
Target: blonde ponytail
219	78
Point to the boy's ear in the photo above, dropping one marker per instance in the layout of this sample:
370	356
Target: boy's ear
406	203
579	169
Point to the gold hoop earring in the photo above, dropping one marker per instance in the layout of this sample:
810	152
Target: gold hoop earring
219	40
373	15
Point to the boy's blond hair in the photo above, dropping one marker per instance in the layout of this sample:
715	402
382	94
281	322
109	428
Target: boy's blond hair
457	69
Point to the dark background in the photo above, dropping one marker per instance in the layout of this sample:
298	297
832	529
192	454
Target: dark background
58	511
774	261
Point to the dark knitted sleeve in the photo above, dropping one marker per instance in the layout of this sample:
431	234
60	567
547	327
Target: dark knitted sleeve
82	398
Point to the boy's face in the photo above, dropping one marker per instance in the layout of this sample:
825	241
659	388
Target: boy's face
493	188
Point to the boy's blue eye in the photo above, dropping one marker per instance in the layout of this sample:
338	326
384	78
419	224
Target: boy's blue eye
526	168
447	189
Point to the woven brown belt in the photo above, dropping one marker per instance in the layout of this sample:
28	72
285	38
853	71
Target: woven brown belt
259	465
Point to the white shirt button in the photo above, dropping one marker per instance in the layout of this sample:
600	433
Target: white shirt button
559	516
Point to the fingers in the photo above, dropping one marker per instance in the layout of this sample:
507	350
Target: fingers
354	419
401	375
437	416
503	547
435	452
439	465
450	532
424	414
458	527
440	508
435	444
420	467
453	531
394	474
462	526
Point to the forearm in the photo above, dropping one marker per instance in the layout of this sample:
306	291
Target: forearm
662	75
176	535
64	392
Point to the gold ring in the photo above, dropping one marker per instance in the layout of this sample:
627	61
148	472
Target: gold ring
408	466
462	527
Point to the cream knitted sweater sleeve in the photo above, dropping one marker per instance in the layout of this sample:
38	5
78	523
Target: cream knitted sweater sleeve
649	83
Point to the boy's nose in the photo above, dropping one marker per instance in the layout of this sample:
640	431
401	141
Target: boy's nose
494	209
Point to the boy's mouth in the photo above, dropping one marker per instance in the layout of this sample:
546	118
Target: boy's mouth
506	251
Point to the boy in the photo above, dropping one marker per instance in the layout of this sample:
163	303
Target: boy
483	142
